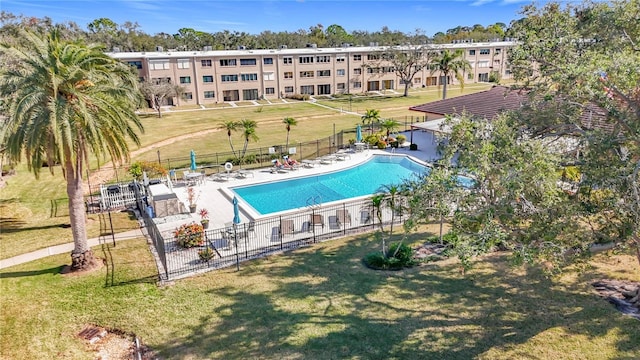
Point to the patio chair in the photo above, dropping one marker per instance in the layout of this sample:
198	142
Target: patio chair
317	220
343	216
334	224
365	216
286	227
227	237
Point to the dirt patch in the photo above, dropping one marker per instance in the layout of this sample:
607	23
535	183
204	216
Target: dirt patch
622	294
113	344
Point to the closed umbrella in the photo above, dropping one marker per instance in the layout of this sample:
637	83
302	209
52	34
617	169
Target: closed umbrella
358	134
236	211
193	160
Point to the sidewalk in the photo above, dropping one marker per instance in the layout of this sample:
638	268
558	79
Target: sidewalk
67	248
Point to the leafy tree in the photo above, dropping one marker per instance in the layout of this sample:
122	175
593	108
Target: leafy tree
248	132
584	56
64	102
289	122
370	116
450	63
230	126
407	62
157	92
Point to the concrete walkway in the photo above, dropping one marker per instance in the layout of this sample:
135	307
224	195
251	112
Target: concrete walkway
67	248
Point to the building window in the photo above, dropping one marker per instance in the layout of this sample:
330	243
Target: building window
250	94
185	79
324	89
323	59
340	86
161	81
357	71
270	91
485	51
228	78
249	77
158	64
136	64
357	84
288	75
269	76
287	60
324	73
340	58
187	96
472	52
183	63
248	62
496	62
227	62
483	77
205	63
497	51
371	70
267	61
288	89
209	94
306	89
207	78
357	57
340	72
305	59
483	64
373	56
306	74
417	80
230	95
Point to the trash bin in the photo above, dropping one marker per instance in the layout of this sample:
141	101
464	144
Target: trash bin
150	211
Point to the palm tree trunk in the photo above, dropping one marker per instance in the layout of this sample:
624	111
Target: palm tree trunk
444	87
81	257
287	146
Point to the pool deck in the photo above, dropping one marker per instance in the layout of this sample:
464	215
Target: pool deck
213	193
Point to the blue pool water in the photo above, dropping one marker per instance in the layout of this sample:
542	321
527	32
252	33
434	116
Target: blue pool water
365	179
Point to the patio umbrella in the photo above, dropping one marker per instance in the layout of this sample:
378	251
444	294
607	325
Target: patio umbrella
236	211
193	160
358	133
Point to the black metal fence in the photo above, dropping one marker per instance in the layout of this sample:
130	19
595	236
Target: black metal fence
234	244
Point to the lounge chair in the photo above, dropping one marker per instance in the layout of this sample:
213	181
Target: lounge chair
334	223
286	227
317	220
365	216
343	216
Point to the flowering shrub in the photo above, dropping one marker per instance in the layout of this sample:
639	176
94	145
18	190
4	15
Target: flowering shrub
189	235
204	214
206	254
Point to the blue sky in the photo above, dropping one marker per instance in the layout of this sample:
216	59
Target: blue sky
253	17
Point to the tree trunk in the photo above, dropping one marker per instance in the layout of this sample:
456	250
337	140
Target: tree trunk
444	88
441	225
81	257
406	89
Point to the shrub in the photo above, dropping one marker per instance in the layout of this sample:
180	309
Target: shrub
403	258
401	139
189	235
206	254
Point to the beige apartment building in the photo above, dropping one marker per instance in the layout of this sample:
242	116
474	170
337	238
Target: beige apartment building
244	75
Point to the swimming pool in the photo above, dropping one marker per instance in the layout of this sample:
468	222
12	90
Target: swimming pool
364	179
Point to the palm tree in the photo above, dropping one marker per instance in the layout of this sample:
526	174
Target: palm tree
289	122
450	63
390	126
230	126
369	117
64	102
249	133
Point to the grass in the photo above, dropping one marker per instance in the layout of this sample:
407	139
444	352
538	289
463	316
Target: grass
319	302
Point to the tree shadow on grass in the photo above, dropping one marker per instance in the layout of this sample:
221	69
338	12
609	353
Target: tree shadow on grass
325	304
15	274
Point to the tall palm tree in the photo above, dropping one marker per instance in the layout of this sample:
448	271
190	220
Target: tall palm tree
450	63
369	117
248	132
230	126
64	102
289	122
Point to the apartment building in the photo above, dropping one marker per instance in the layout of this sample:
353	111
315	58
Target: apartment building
245	75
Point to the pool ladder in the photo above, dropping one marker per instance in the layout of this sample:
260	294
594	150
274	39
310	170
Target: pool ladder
314	201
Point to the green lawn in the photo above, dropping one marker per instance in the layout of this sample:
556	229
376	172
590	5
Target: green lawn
318	302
